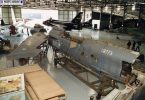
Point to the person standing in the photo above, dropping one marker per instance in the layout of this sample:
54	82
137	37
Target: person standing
134	80
138	46
91	98
141	58
113	84
133	45
98	97
28	32
139	43
2	22
117	37
128	44
12	30
127	80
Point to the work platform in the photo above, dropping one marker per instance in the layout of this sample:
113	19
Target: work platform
87	75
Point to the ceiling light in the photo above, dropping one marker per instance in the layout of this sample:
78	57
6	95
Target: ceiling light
118	8
133	7
106	8
97	8
81	9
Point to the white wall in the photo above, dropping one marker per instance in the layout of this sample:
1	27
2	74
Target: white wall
66	15
0	12
39	14
96	22
88	15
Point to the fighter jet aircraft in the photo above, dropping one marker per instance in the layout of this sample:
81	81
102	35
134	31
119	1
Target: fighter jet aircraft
74	24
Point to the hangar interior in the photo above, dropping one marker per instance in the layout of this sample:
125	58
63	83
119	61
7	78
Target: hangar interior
72	50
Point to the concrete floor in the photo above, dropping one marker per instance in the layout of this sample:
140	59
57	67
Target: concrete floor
75	89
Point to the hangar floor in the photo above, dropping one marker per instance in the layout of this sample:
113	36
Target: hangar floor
75	89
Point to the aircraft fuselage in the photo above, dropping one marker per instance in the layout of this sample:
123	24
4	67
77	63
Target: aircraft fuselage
104	57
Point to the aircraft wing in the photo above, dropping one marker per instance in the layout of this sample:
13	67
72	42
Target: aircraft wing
23	52
61	22
28	48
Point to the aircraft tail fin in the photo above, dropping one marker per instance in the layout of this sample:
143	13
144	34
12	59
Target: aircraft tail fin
78	18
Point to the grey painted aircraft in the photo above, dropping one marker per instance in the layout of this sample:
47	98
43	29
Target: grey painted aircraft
113	61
